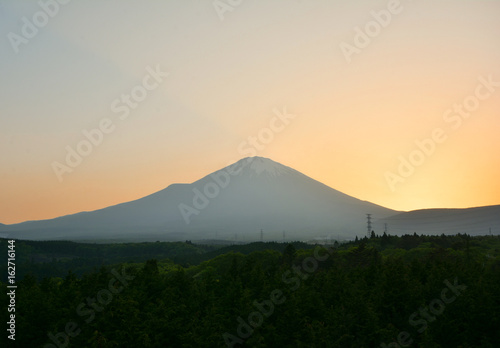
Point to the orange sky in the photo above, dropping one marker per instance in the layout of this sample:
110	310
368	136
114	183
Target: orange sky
353	123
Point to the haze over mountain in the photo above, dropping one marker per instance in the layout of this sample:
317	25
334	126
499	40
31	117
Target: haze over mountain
238	202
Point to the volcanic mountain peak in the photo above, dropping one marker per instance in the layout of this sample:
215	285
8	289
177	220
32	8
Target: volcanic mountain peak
257	166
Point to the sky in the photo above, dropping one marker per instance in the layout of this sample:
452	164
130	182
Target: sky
103	102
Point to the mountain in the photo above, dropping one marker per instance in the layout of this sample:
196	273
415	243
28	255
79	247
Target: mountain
236	202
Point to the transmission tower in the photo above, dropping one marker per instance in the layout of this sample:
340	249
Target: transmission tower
261	235
368	224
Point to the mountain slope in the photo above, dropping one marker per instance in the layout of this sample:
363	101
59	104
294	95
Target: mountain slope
235	202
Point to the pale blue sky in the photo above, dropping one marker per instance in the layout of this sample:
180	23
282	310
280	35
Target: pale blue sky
225	79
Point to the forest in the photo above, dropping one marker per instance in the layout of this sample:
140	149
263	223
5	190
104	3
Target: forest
382	291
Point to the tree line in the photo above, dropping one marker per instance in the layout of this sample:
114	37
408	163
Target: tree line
384	290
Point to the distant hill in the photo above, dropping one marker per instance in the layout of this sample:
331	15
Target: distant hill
473	221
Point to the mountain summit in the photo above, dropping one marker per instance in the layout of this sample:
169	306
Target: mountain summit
256	166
